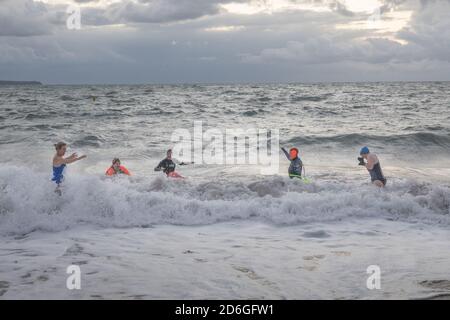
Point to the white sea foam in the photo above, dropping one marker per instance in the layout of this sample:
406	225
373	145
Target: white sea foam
28	201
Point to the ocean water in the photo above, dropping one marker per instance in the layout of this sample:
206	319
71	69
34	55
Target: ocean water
339	221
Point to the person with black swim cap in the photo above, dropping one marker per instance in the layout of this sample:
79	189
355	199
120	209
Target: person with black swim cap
373	166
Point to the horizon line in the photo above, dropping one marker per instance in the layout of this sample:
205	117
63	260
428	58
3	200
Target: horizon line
218	83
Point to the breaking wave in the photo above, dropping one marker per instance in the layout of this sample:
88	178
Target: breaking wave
28	202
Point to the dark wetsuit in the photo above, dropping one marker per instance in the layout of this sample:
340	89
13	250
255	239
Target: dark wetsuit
377	174
167	165
296	166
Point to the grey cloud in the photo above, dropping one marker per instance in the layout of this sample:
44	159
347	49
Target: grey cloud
427	36
323	50
152	11
23	18
340	8
429	29
32	50
29	18
298	45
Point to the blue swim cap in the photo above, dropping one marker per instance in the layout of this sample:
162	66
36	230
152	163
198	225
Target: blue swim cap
364	150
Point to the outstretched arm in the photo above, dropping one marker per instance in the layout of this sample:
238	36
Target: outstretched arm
74	157
182	163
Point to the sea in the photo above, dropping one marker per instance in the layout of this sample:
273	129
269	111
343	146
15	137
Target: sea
226	230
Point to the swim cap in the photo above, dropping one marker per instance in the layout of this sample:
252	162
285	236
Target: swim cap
59	145
364	150
293	152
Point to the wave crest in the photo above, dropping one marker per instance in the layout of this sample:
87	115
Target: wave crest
28	202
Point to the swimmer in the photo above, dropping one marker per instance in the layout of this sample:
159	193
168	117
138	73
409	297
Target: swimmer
117	168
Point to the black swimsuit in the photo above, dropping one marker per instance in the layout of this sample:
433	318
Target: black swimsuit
377	174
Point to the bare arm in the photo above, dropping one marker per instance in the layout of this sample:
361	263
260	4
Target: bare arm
371	161
74	157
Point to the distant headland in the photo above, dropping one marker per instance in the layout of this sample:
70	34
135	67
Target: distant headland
12	83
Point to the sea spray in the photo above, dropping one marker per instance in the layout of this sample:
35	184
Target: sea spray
28	201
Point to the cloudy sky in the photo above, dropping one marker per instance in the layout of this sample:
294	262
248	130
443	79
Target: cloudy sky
217	41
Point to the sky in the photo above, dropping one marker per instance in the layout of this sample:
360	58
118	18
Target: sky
224	41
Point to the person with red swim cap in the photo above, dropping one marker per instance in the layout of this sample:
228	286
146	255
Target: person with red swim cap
296	166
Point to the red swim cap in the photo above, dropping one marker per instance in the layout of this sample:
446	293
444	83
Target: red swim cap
293	152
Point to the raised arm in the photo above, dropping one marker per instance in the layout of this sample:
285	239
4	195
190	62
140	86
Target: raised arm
286	153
